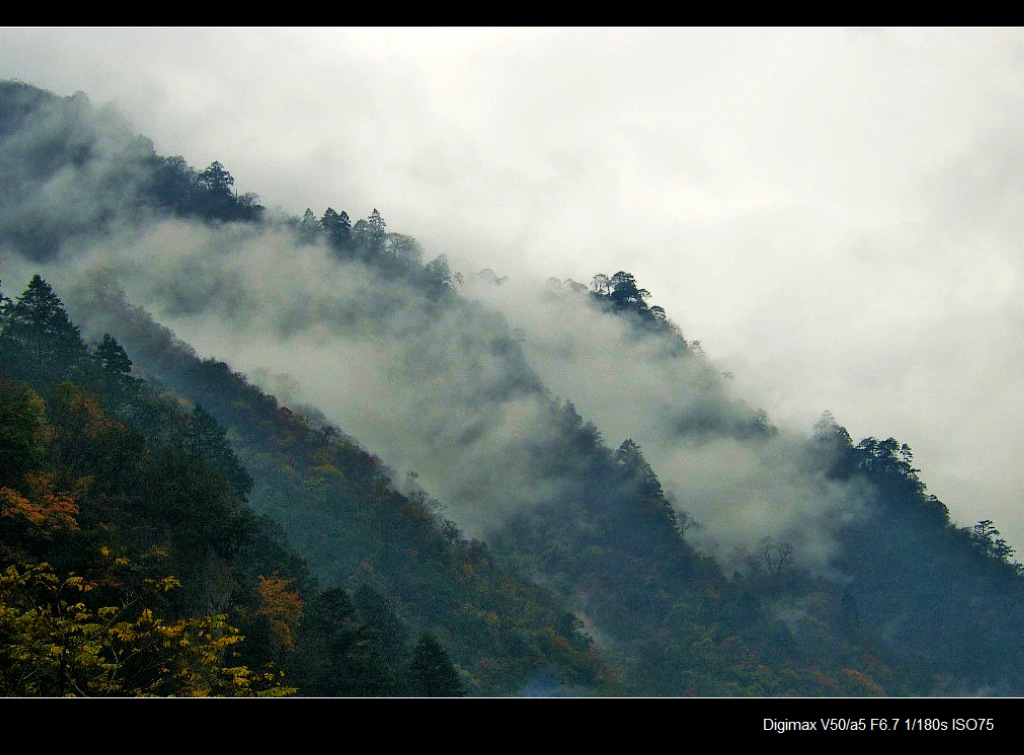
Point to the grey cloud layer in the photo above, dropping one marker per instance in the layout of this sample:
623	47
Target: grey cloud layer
831	211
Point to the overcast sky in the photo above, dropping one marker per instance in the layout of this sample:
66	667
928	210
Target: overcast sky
834	213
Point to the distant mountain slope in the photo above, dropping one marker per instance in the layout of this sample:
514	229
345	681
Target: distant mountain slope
339	507
70	172
703	551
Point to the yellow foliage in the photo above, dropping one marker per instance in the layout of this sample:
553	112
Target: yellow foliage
84	413
282	607
57	645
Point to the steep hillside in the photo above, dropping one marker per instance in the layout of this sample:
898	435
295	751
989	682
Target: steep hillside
127	472
447	443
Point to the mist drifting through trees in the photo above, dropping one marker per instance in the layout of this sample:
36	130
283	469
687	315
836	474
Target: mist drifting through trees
570	432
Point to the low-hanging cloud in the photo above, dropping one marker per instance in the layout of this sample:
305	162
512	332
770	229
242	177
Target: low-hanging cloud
440	391
369	349
689	420
462	395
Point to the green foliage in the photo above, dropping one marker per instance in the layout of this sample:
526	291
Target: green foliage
622	295
335	503
38	341
430	672
23	431
338	229
54	147
338	654
79	486
985	535
205	439
116	367
964	588
109	484
369	236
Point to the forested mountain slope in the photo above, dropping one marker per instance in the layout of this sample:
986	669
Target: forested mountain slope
701	552
106	473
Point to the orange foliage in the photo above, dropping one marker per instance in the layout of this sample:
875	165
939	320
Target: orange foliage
42	507
825	681
863	681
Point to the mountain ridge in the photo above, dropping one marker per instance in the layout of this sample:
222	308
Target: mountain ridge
457	399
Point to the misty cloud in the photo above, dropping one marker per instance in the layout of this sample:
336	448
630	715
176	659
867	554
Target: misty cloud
685	414
828	210
441	391
464	400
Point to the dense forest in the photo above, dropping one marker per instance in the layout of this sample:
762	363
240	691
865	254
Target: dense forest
172	523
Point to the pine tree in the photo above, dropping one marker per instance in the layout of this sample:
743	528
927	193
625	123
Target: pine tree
115	368
338	228
431	672
39	343
309	228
